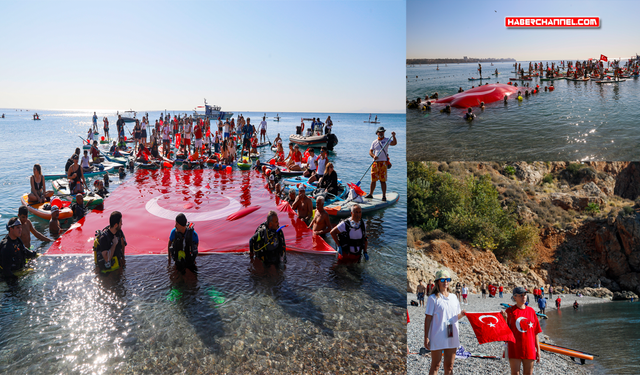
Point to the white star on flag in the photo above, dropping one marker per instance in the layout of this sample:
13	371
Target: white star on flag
530	325
491	325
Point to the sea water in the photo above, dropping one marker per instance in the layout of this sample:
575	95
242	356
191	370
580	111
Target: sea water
577	121
61	317
609	330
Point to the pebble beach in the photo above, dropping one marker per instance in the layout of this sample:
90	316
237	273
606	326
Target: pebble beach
550	363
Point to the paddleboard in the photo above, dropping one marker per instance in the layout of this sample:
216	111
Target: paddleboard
478	79
61	187
611	81
343	209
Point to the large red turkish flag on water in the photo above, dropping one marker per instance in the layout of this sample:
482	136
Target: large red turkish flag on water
226	208
490	327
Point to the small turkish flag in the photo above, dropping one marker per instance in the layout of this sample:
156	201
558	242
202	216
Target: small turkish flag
603	58
490	327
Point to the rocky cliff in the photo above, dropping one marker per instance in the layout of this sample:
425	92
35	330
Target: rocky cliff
589	228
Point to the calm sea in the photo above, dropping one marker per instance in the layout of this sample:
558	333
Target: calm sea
577	121
62	318
610	330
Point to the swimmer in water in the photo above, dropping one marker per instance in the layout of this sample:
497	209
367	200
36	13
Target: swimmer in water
460	89
481	106
505	99
446	109
469	115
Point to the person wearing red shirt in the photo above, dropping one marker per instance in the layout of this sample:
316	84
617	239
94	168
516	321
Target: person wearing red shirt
492	291
524	324
430	286
197	132
500	290
558	302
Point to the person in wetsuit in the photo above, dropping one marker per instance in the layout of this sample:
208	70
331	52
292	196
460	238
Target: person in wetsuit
13	254
268	243
183	245
110	243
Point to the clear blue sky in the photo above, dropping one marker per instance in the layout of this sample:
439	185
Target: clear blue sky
305	56
455	28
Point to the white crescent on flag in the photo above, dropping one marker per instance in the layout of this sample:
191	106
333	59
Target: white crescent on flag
488	316
518	324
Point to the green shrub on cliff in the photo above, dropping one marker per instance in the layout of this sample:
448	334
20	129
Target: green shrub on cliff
468	209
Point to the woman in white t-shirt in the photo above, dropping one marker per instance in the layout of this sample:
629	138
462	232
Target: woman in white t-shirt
441	324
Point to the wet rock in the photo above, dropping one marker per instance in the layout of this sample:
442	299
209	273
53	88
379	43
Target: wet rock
624	296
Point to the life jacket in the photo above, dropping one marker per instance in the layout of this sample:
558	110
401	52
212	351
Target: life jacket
267	245
181	248
347	243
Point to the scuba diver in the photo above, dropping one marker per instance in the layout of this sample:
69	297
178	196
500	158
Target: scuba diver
13	254
109	244
351	236
267	243
183	245
469	115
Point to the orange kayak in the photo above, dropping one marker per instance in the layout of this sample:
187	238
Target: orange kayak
568	352
36	209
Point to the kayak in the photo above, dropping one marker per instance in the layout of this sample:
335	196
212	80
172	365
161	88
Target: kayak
541	315
116	159
96	172
264	144
147	165
286	172
611	81
38	210
552	79
243	166
579	79
61	187
566	351
520	79
343	209
479	79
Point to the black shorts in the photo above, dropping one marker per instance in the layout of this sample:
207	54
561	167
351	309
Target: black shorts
246	143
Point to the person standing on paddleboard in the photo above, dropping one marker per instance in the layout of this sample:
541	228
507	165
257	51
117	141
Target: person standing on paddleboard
441	324
379	153
524	324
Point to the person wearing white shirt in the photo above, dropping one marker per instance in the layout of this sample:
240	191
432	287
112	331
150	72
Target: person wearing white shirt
441	324
263	130
379	152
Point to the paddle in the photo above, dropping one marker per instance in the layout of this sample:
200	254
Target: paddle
374	160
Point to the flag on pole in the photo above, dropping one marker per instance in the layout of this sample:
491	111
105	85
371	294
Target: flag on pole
490	327
603	58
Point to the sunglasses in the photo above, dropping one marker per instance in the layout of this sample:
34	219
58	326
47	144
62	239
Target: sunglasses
448	280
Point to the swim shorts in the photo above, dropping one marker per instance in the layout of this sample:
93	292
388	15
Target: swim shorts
420	296
379	171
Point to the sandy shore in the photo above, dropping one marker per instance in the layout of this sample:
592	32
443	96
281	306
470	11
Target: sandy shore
550	363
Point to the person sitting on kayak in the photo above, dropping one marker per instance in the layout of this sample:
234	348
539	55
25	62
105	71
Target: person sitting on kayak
38	192
295	162
114	150
279	154
13	253
86	167
268	242
76	177
311	164
304	206
469	115
183	245
143	154
70	160
351	236
95	153
329	180
320	224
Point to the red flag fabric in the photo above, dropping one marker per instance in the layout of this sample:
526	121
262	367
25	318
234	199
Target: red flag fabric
490	327
603	58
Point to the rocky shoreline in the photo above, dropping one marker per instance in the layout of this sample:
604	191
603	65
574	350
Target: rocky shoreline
550	363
